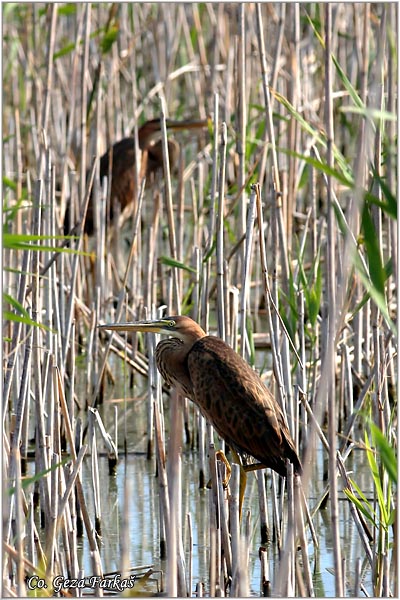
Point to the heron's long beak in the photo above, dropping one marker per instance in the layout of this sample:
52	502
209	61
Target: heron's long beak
154	326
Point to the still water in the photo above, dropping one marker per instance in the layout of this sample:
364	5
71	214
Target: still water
143	511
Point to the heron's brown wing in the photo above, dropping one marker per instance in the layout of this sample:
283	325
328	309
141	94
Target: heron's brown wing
235	400
122	155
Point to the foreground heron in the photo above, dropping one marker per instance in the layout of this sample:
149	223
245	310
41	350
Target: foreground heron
228	392
119	162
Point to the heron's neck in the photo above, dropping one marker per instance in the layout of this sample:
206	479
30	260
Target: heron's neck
171	355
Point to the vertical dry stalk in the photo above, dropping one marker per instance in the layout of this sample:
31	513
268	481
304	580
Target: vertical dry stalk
49	79
75	267
246	270
226	550
267	100
170	213
262	502
84	103
269	301
163	484
16	334
328	368
221	299
176	581
241	116
214	177
79	490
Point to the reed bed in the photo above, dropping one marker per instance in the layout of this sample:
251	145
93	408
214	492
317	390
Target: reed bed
277	231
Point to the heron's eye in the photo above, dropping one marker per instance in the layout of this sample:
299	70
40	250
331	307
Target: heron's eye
171	323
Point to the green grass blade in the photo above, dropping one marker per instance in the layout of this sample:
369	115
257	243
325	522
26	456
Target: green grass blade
386	452
171	262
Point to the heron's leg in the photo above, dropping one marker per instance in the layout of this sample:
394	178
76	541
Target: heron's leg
254	467
242	479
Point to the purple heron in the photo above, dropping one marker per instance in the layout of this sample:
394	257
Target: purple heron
228	392
119	161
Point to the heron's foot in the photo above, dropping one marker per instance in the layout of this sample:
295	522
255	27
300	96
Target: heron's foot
221	455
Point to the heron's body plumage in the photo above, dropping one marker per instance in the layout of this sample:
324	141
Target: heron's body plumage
228	392
231	396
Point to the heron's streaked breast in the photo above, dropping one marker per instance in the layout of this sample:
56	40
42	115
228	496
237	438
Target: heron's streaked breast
171	362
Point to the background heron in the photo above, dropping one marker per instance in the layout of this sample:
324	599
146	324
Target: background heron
119	162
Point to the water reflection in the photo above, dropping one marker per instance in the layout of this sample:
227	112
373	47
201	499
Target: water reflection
144	517
144	534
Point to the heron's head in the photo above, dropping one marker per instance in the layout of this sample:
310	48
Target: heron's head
180	327
150	132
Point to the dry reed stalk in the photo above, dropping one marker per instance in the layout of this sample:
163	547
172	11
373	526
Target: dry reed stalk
16	335
234	522
328	367
189	575
221	299
121	296
241	117
20	410
262	503
214	178
125	541
94	472
286	581
176	579
244	300
41	457
51	520
265	580
239	585
30	531
49	75
214	564
163	481
79	491
301	536
75	267
276	521
19	528
70	482
270	301
175	305
267	101
83	116
226	550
